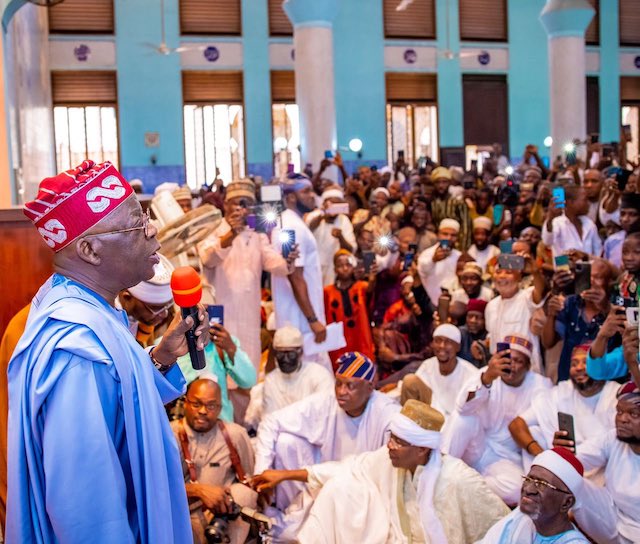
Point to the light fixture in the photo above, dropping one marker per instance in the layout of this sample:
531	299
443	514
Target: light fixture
355	145
548	141
280	143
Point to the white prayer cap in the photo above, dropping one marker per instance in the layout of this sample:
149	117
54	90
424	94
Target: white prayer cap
287	337
564	465
482	222
166	186
449	224
135	183
385	170
157	290
332	193
382	190
447	330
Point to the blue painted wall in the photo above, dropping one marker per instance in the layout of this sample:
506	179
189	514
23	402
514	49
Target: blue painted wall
149	92
359	80
528	77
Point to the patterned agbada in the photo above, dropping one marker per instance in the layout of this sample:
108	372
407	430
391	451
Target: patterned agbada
350	307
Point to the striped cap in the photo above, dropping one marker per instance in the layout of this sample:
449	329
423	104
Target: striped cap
629	392
69	204
354	364
520	344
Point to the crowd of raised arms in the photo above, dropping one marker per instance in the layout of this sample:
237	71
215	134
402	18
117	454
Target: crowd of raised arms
392	355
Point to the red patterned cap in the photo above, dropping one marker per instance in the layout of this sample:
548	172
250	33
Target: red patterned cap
69	204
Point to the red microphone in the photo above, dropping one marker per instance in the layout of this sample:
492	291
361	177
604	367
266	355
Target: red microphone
187	292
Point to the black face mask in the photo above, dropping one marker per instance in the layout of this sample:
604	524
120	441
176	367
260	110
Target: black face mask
288	361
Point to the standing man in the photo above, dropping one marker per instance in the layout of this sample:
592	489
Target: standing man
444	206
592	182
299	299
233	259
216	456
87	424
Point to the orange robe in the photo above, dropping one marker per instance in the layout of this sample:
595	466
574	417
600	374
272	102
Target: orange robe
353	313
12	334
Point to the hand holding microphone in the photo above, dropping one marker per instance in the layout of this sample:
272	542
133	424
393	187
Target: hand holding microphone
187	333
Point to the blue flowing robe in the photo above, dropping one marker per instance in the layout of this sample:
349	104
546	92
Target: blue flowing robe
91	455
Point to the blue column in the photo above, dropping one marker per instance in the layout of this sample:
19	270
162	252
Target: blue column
359	81
257	89
450	114
528	78
149	92
609	73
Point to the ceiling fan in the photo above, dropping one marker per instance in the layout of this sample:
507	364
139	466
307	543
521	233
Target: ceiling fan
163	48
446	53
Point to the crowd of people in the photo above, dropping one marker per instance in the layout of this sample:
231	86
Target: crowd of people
404	355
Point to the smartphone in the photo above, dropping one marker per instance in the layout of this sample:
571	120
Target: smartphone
216	314
367	259
594	137
626	131
270	193
445	244
252	221
506	246
558	196
444	302
571	158
503	346
328	154
401	155
561	262
288	240
632	315
498	211
511	262
583	276
622	177
409	257
565	423
337	209
291	168
468	185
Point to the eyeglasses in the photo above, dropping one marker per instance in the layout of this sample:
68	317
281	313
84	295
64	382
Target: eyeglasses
210	406
156	313
540	485
146	219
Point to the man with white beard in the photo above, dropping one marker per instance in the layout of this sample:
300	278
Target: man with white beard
479	434
592	403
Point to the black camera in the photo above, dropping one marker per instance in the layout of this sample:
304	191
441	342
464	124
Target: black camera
508	194
218	529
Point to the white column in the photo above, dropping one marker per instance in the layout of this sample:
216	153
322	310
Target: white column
568	87
315	91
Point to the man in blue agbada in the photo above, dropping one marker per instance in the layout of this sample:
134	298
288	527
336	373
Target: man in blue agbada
91	456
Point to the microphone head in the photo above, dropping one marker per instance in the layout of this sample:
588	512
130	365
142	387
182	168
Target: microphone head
186	286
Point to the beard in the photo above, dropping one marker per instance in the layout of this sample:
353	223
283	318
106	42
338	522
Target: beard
585	386
302	208
631	440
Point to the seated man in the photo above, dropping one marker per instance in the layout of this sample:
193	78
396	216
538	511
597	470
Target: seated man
404	492
473	333
215	456
592	403
294	378
479	433
326	426
444	373
548	492
611	514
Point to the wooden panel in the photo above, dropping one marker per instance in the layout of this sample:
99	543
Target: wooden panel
82	16
279	23
84	87
411	87
212	87
593	104
485	107
418	20
283	86
210	17
630	89
629	11
25	263
592	35
484	20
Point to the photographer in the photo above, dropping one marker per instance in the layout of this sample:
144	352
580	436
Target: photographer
215	457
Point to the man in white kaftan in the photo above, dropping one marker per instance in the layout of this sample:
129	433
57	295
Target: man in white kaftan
479	434
405	492
233	259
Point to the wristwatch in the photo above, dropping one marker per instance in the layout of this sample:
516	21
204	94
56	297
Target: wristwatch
312	319
162	368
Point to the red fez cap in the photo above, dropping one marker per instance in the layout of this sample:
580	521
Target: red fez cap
570	458
476	305
69	204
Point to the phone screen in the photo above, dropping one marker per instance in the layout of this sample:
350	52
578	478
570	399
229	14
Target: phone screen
506	246
216	314
270	193
498	211
288	240
367	258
